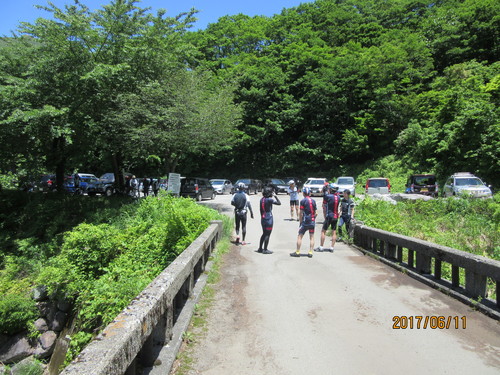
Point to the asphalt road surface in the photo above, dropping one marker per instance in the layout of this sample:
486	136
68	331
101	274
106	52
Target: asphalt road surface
331	314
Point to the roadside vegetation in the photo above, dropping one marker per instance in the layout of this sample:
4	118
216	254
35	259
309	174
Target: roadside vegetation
97	254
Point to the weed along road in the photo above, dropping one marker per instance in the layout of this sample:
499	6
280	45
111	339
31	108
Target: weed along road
334	313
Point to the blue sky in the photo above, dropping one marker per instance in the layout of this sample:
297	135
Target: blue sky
15	11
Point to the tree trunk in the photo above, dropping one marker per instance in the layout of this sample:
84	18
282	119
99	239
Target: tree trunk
59	157
117	171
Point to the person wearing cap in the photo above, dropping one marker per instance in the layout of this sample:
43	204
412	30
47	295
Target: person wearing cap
294	199
266	203
241	203
308	213
347	213
331	211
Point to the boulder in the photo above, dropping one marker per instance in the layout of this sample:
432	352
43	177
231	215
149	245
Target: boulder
15	349
384	197
59	321
41	325
64	305
47	309
410	197
46	344
40	293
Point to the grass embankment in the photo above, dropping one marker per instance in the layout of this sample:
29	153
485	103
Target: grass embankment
465	224
99	253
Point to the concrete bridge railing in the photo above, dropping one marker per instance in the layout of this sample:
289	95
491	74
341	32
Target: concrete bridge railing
148	323
427	258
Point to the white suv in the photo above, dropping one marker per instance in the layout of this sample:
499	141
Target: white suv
466	183
316	185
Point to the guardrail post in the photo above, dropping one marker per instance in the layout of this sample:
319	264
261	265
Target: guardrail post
498	293
423	263
411	254
475	284
400	254
455	276
390	251
437	269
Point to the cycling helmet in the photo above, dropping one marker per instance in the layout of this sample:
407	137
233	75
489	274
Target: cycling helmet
306	191
268	192
241	186
333	187
291	182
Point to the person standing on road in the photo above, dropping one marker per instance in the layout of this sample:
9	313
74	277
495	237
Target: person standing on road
155	185
134	186
266	213
76	182
146	182
347	213
241	203
331	211
308	213
294	199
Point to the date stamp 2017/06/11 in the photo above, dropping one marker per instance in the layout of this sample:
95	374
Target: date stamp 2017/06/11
426	322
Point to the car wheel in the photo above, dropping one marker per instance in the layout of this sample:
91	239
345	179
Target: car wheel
109	192
199	198
213	195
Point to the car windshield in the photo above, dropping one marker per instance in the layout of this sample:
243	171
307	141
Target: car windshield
277	181
108	176
345	181
246	182
425	180
188	181
315	182
217	182
377	183
468	182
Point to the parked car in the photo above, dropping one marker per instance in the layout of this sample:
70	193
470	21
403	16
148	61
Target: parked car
222	186
466	183
278	185
379	185
344	183
88	184
316	185
425	184
251	185
197	188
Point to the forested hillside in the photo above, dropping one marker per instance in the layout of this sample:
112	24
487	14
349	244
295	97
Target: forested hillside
331	86
325	88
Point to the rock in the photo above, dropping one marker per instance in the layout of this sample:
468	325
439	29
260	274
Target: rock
384	197
41	325
410	197
40	293
46	344
57	324
26	366
64	305
15	349
47	310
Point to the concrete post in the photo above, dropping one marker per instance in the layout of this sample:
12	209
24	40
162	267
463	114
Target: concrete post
437	269
390	251
423	263
455	276
400	254
475	284
411	254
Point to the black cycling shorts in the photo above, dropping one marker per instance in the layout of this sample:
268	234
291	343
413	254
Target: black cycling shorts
330	222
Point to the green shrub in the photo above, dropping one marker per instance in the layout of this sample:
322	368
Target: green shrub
15	313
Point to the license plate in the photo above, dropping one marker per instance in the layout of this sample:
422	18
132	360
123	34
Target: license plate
424	190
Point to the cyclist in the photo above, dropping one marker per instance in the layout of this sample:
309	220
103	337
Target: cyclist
266	213
331	211
241	203
294	199
307	222
347	213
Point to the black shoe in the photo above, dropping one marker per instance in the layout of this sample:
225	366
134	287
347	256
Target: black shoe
266	251
295	254
259	251
310	255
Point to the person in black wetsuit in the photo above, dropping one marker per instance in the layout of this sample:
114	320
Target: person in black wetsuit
266	214
241	203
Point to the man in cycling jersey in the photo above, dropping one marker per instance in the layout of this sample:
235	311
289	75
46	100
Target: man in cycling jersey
294	199
307	222
266	214
241	204
331	212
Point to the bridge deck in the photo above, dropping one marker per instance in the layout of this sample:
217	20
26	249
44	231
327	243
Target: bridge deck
332	314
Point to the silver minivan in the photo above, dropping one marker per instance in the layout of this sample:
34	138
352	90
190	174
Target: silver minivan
379	185
465	183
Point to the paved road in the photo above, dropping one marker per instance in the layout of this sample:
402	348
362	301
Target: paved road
331	314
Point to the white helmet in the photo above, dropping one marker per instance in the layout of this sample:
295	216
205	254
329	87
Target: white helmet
241	186
291	182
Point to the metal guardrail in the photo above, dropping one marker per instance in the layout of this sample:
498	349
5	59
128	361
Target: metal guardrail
421	255
149	321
